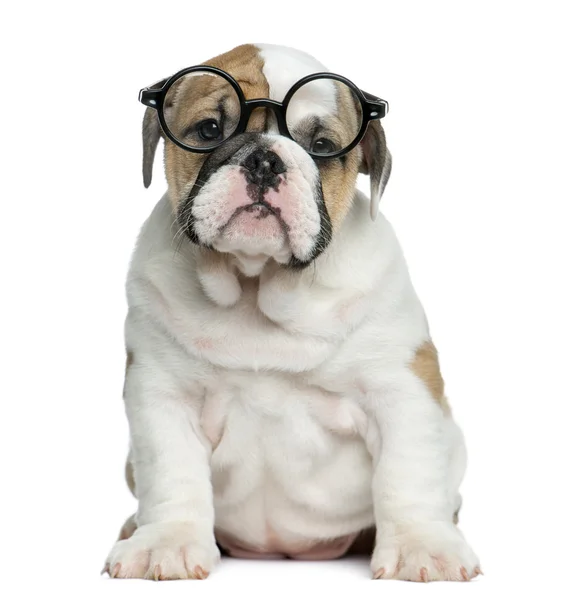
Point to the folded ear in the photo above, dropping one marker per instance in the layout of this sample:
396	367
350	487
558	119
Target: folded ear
376	162
151	133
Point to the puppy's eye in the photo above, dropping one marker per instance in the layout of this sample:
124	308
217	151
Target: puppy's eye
323	146
209	130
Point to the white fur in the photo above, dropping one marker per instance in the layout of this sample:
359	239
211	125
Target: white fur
316	98
284	66
287	414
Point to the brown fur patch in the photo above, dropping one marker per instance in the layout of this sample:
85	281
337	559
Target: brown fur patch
246	65
338	183
339	176
425	365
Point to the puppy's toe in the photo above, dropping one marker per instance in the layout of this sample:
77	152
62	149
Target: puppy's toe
127	561
163	551
436	552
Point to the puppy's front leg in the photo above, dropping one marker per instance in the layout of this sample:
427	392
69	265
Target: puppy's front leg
174	538
412	487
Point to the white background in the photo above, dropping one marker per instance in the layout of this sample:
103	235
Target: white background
486	131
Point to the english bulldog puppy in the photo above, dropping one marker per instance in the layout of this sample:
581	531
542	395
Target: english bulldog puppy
283	393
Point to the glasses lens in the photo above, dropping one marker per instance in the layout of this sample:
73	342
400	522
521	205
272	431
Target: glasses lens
324	116
202	109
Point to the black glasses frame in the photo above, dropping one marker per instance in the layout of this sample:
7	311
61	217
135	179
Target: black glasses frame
372	107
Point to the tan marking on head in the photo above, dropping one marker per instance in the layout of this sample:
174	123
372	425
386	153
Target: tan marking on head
339	176
425	365
245	64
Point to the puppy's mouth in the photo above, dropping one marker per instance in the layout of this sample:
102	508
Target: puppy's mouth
258	210
255	227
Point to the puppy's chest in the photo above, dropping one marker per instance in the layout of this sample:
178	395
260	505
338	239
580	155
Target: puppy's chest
264	421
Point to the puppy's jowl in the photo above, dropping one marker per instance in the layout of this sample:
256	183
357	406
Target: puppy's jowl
282	390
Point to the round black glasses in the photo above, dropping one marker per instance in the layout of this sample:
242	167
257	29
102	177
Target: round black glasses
200	108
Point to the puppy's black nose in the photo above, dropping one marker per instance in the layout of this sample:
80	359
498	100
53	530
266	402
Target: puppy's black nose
263	167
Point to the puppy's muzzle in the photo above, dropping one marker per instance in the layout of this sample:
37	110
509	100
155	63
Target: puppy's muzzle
258	194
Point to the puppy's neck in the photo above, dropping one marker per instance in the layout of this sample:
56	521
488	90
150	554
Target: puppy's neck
248	265
222	274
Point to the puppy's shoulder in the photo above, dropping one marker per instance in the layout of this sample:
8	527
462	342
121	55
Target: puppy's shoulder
363	252
155	237
162	270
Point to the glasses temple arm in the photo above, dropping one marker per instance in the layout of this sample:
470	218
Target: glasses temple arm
151	95
377	107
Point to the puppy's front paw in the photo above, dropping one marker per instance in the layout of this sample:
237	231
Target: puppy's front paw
163	551
432	552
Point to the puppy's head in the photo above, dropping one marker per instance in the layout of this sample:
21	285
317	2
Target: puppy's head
260	193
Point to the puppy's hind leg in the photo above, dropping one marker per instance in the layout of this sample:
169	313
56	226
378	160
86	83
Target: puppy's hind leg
129	473
457	465
128	528
130	525
125	533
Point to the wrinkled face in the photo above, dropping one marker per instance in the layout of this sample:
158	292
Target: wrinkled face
260	193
